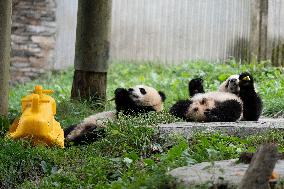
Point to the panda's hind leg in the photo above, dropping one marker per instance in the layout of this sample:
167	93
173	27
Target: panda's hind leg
69	129
83	134
195	86
227	111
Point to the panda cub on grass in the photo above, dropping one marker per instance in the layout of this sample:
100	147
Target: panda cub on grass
221	106
243	86
133	101
209	107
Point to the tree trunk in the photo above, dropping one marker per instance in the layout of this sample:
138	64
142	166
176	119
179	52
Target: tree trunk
5	48
89	84
258	30
260	168
92	49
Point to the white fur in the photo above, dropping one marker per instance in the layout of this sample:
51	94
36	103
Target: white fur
207	101
151	98
227	86
217	96
99	119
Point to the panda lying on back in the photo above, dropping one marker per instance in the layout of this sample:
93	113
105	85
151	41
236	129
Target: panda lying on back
243	86
220	106
209	107
133	101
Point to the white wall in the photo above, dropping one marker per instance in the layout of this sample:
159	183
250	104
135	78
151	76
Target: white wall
66	18
170	30
177	30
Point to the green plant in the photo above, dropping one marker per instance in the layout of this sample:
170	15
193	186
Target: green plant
132	154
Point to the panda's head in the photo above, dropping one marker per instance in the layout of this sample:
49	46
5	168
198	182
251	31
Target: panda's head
138	99
198	107
231	85
246	80
143	95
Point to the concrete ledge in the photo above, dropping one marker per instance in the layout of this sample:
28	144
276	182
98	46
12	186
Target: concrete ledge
241	129
218	173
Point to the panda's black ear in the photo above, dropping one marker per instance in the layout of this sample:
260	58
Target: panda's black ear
119	91
163	96
227	84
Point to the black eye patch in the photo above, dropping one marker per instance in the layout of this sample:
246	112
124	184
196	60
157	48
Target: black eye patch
142	91
195	109
233	80
203	101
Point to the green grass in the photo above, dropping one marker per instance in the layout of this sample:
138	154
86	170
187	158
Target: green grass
125	157
171	79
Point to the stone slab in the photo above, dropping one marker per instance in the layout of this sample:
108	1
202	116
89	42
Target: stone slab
241	128
226	172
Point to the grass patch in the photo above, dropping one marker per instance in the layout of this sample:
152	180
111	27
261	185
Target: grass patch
172	79
132	154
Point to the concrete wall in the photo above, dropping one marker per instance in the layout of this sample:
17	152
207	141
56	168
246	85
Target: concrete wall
43	37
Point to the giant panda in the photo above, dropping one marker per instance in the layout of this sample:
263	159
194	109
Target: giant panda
133	101
222	106
251	100
209	107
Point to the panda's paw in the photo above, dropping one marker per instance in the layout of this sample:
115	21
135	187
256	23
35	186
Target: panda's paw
119	91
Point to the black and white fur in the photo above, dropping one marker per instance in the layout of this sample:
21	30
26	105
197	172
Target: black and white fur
221	106
209	107
137	100
243	85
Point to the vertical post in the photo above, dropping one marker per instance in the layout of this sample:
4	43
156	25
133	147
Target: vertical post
5	48
258	30
92	49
